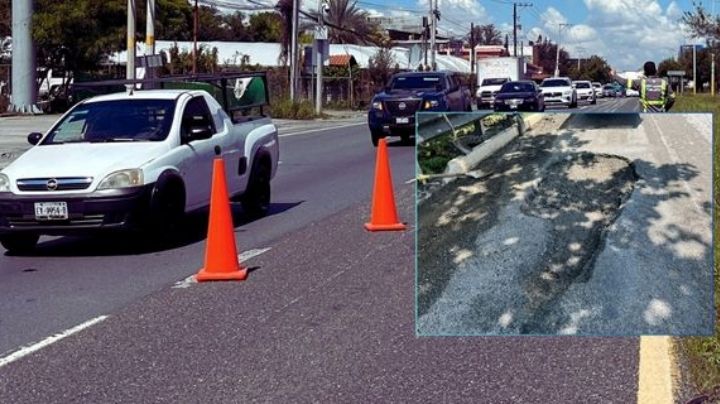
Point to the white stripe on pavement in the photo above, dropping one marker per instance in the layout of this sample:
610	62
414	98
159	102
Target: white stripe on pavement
48	341
305	132
655	371
187	282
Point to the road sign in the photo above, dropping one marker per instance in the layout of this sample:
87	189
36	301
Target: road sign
676	73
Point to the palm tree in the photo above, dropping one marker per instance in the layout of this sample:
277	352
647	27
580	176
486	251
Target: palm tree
348	24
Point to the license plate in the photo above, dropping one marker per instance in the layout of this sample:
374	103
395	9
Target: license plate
402	120
51	211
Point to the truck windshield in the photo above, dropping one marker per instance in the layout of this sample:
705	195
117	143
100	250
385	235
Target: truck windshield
493	82
416	82
555	83
115	121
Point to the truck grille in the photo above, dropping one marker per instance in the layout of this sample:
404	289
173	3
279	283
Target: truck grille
54	184
410	107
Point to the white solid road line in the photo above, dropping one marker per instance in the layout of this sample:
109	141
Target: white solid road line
305	132
187	282
655	371
24	351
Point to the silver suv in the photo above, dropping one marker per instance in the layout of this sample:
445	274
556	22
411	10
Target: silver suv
559	90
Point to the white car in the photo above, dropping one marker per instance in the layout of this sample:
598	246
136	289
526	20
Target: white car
559	90
585	91
598	89
630	92
128	161
485	94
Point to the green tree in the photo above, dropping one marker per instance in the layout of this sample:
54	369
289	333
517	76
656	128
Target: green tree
348	24
547	52
667	65
593	68
235	25
266	27
487	35
380	67
5	14
181	62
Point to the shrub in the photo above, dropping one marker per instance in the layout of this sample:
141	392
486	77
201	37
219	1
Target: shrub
283	108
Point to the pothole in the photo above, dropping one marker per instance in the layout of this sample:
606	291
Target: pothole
580	195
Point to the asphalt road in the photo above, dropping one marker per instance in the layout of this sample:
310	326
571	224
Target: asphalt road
70	280
619	104
596	225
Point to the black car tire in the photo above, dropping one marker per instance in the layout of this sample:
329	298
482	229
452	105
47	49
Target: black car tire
19	243
167	208
594	101
256	200
375	137
405	138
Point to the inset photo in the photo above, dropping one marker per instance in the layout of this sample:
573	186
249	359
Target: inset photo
564	224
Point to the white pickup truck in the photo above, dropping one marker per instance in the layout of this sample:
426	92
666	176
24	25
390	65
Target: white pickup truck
129	161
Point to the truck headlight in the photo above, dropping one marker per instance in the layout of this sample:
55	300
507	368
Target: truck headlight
377	105
122	179
4	183
430	104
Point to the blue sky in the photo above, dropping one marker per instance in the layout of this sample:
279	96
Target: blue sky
625	32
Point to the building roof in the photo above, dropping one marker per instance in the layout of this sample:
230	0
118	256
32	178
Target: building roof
341	60
268	54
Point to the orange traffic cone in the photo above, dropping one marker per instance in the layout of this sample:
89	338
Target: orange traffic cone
384	213
221	260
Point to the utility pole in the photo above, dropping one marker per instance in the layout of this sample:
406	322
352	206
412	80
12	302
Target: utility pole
319	45
24	91
712	74
195	32
515	29
695	83
150	28
293	51
557	56
130	65
472	48
515	24
425	41
433	25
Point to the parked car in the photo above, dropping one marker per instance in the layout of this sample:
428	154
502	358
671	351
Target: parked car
136	161
392	111
485	94
585	91
609	91
598	89
559	90
519	96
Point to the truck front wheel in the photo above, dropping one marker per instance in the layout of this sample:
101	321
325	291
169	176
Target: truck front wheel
256	200
19	243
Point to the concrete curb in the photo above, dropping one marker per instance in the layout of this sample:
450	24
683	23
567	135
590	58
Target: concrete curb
463	164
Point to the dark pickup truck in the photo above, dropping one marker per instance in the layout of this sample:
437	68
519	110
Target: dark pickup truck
392	111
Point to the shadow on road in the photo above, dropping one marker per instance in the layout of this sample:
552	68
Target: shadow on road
192	230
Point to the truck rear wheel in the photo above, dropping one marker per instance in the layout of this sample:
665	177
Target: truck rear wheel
19	243
256	200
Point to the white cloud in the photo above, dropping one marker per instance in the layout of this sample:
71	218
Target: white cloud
456	15
625	32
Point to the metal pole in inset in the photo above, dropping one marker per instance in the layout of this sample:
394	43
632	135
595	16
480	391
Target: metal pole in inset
23	84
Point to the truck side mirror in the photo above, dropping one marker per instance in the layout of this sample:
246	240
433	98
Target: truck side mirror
34	138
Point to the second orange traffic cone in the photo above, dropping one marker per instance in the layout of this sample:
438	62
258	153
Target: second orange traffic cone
384	213
221	260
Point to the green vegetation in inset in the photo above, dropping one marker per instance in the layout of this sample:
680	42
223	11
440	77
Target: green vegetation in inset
704	352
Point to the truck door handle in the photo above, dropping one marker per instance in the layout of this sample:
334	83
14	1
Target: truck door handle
218	150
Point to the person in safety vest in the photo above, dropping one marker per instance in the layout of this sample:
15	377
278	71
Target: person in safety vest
656	95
